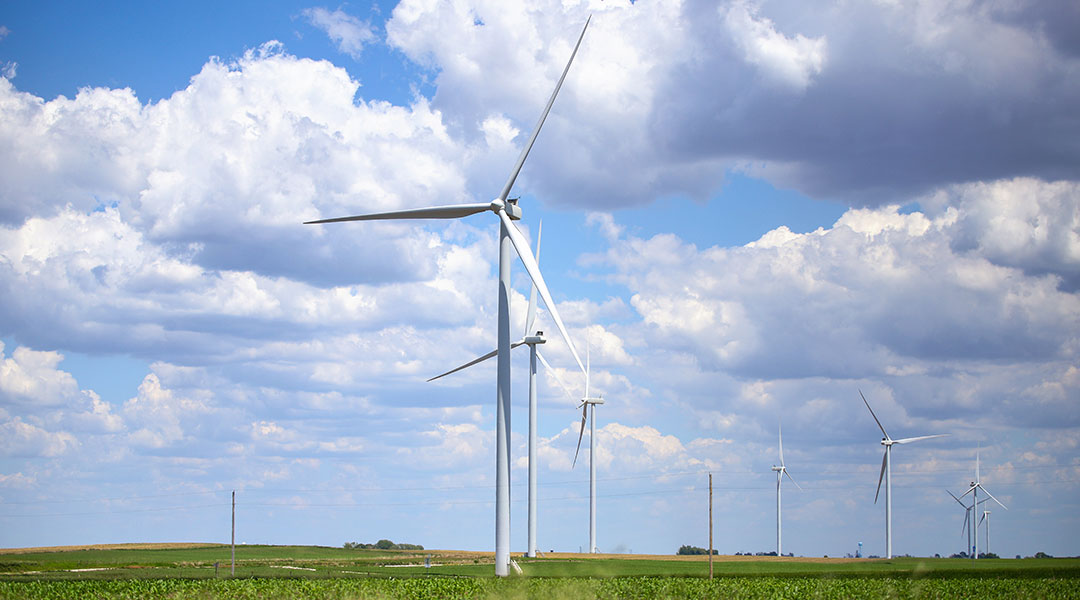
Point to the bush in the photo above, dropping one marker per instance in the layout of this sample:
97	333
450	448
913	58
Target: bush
694	550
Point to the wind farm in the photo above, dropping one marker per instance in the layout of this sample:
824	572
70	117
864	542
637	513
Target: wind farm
232	265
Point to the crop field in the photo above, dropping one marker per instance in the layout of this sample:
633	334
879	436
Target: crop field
188	571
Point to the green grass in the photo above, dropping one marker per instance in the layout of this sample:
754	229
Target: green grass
337	573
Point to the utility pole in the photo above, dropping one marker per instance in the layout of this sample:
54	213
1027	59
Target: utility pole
710	525
232	569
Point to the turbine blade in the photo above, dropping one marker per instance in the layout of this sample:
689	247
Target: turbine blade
527	260
555	376
581	434
588	364
873	415
792	480
536	130
957	499
880	477
477	360
531	315
970	489
994	499
920	438
781	432
981	519
967	518
456	211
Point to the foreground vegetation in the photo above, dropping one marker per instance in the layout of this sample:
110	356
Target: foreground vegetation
316	572
569	588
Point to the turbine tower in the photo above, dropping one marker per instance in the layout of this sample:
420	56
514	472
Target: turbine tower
986	517
588	409
531	338
974	491
780	472
507	211
886	472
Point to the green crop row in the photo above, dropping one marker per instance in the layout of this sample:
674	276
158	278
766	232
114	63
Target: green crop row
548	588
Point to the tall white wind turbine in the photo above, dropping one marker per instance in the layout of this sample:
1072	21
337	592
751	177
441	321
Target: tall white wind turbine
588	409
531	338
507	211
974	491
781	470
886	472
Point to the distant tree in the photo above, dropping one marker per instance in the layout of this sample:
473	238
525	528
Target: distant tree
1018	556
1042	555
988	555
384	545
936	555
694	550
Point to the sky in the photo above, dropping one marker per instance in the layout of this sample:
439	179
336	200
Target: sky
752	211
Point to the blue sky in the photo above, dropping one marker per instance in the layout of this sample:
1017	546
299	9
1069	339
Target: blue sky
752	210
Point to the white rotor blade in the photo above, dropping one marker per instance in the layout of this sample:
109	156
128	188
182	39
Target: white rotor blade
967	518
555	376
981	519
536	130
970	489
478	360
455	211
792	480
880	477
921	437
994	499
781	432
531	318
873	415
529	262
584	414
957	499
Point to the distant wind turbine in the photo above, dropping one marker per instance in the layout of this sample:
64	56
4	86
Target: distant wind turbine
966	529
507	211
986	517
780	472
886	472
974	491
588	409
531	338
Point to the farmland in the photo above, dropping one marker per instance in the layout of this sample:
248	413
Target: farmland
188	571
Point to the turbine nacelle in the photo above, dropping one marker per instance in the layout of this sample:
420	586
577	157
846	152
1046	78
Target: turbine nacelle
510	207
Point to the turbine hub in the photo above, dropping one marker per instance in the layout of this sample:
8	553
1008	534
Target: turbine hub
510	207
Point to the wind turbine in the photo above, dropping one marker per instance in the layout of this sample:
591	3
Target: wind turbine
780	472
886	472
986	517
966	529
507	211
531	338
974	491
588	409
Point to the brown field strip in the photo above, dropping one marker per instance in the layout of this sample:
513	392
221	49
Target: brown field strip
165	546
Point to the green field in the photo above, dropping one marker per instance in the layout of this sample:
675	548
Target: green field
320	572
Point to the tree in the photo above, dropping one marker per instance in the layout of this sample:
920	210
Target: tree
384	545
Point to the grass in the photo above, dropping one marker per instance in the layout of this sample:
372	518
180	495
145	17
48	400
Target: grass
315	562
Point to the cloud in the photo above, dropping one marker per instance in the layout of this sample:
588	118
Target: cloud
348	32
870	103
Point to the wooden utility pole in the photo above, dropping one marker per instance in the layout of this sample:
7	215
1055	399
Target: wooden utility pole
232	570
710	525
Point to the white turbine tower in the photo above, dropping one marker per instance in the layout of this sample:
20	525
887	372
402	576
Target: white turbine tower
986	517
780	472
974	491
588	409
531	338
886	472
507	211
